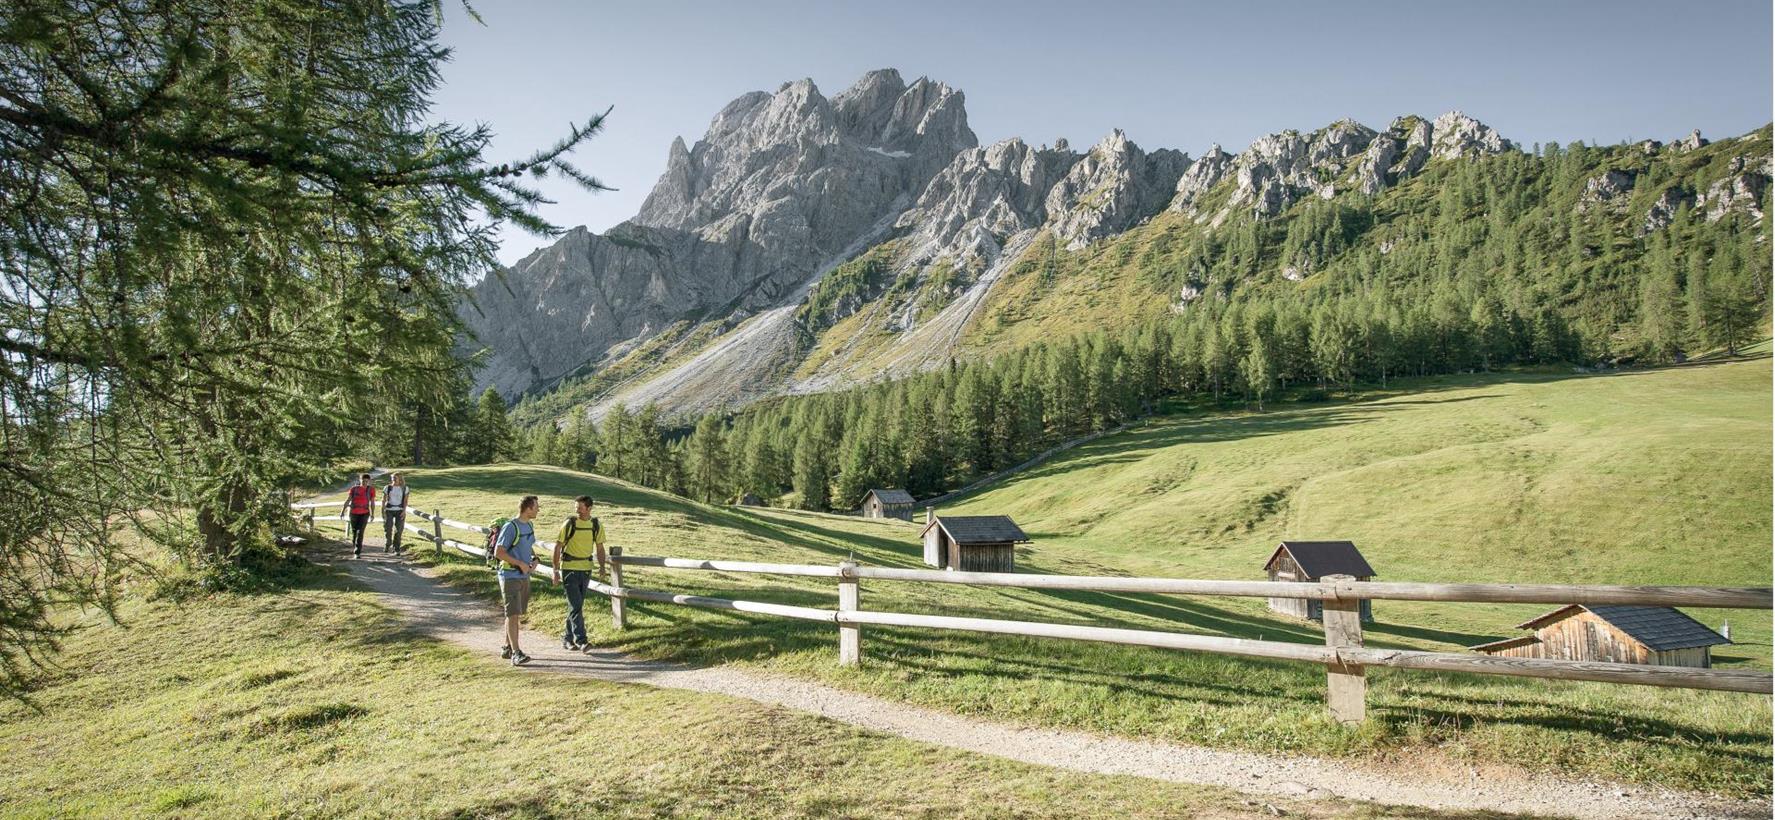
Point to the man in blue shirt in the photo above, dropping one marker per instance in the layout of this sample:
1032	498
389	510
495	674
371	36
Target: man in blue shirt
516	551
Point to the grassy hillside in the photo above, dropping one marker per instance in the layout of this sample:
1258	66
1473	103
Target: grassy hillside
1644	477
314	702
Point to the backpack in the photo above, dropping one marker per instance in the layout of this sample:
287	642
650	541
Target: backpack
573	527
493	542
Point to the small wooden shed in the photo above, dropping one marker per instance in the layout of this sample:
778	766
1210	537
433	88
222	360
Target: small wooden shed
749	500
888	504
1614	634
1310	561
973	543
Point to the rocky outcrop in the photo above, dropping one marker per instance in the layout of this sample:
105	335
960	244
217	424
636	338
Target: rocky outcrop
982	198
1113	187
1606	187
1458	136
1201	177
1665	207
1394	155
1691	142
781	186
1280	169
1741	190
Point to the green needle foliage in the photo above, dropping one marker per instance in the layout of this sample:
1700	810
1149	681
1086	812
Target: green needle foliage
230	243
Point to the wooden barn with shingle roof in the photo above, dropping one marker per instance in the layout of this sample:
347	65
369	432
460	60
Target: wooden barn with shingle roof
1310	561
888	504
972	543
1615	634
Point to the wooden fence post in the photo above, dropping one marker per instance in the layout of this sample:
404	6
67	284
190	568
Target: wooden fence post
437	530
850	637
619	617
308	517
1346	684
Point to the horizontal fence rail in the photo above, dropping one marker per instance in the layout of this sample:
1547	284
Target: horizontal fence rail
1343	655
1730	597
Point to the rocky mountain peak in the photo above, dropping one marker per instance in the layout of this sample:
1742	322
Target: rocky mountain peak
1114	186
983	197
780	187
1458	136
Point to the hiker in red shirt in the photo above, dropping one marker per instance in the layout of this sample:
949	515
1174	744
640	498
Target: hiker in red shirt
359	500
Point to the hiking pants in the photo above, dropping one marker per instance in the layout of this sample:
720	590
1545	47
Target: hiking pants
574	582
359	521
394	522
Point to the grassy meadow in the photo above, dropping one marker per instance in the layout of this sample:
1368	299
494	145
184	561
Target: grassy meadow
314	701
1638	477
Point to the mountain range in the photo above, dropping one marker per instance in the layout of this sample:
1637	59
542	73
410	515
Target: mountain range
807	243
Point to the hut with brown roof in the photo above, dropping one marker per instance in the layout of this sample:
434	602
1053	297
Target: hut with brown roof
1310	561
1615	634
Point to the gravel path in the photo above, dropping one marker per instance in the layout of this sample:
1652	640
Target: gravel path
459	617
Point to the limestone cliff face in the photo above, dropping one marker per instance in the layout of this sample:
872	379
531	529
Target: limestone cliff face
782	185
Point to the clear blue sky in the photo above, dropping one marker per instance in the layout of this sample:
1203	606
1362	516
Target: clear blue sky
1173	75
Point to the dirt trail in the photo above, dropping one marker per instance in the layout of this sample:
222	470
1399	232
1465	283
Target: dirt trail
453	615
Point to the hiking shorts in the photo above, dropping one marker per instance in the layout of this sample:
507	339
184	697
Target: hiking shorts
516	594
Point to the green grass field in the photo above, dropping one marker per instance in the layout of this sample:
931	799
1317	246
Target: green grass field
313	701
1639	477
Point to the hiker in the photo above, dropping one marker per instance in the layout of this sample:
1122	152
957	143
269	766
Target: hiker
516	551
394	513
581	539
360	500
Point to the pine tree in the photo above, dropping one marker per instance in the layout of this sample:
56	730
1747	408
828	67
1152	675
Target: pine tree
618	435
810	475
492	439
1257	369
545	444
706	460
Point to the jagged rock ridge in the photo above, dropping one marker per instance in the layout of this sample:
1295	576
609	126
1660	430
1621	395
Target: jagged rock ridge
780	186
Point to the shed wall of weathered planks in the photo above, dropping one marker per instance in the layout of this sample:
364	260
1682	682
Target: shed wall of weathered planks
987	558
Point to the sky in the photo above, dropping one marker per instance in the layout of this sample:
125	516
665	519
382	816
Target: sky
1172	75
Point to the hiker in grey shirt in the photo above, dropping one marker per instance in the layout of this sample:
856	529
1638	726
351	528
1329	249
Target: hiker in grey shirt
394	513
516	551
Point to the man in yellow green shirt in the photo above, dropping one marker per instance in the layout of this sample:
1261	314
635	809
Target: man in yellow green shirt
580	542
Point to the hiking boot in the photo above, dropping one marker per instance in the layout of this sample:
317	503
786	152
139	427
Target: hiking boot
570	646
519	659
505	652
586	648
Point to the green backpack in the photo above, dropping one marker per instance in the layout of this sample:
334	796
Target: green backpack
493	531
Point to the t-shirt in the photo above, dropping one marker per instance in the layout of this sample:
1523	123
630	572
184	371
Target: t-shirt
586	536
361	499
519	539
396	498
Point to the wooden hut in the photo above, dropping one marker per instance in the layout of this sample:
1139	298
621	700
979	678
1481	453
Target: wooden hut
1615	634
1310	561
749	500
888	504
972	543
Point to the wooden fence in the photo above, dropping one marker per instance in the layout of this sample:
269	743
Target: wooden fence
1343	655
